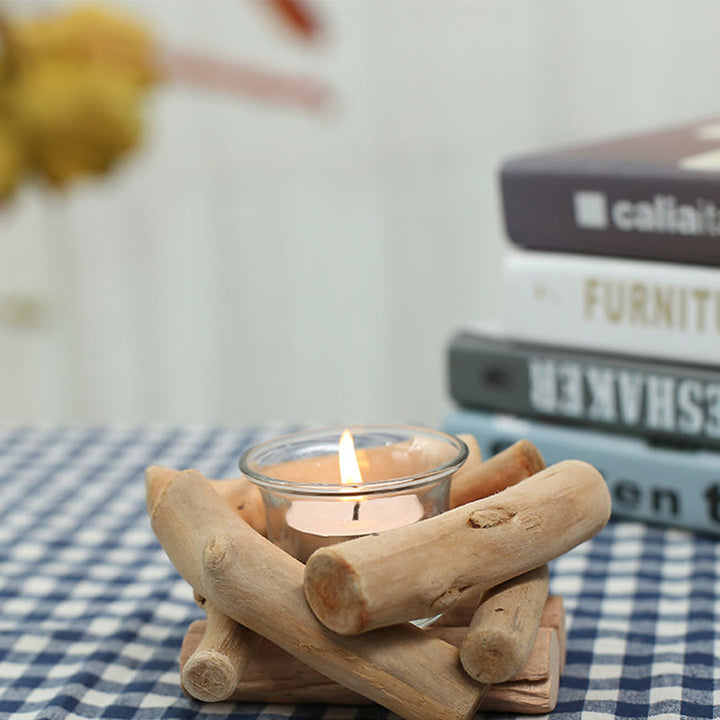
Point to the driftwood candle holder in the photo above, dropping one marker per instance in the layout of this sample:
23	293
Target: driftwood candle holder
503	651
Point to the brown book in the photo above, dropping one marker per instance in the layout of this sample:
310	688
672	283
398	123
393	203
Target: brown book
653	195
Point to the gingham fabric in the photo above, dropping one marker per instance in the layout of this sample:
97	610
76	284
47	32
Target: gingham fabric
92	614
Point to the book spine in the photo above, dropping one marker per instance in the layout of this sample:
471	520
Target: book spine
664	402
666	214
676	488
613	305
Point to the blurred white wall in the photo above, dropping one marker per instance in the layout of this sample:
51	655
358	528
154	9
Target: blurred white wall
253	263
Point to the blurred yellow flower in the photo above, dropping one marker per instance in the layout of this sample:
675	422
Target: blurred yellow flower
12	158
71	91
73	82
89	34
75	119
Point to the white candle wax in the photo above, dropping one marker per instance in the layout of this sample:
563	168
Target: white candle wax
311	524
341	518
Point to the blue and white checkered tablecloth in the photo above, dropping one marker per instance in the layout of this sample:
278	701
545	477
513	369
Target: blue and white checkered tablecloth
92	614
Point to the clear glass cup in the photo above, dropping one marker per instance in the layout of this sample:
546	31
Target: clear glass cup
405	473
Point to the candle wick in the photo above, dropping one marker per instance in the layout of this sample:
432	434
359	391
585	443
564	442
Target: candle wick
356	511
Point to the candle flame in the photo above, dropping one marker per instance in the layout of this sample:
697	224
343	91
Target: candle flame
349	469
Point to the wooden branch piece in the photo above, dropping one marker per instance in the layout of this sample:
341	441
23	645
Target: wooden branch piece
477	479
503	629
239	493
554	616
276	677
466	474
420	570
461	613
259	586
214	669
538	695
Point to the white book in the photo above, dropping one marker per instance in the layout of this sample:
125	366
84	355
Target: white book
614	305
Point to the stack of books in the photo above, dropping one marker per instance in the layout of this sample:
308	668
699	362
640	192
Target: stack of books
609	347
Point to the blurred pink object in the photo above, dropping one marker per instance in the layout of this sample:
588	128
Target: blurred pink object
243	78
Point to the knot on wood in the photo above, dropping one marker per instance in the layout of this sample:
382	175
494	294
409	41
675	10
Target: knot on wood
490	517
216	553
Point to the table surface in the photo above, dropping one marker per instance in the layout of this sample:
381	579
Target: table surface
92	614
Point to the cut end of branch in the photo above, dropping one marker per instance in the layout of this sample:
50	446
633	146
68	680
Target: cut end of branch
491	659
333	592
210	676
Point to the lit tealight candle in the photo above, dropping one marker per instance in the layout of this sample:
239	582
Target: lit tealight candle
314	523
315	493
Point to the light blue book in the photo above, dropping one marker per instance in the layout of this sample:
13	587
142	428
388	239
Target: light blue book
660	484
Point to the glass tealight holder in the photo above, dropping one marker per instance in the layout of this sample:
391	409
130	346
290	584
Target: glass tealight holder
404	477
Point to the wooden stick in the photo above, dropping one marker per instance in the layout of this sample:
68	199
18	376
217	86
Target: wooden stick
239	493
477	479
420	570
554	616
214	669
157	478
274	676
258	585
531	696
461	613
503	629
466	474
535	687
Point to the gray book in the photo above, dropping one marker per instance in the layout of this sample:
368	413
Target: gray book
653	195
661	401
